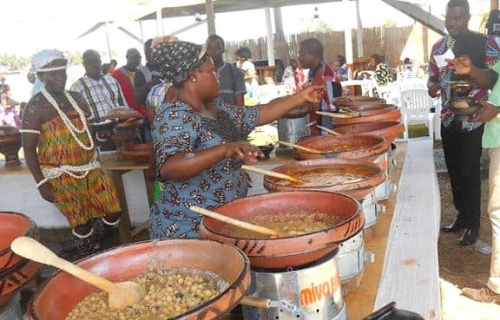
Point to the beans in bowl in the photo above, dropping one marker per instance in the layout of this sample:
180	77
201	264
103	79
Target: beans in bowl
168	294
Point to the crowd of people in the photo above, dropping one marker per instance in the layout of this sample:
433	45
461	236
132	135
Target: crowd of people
192	102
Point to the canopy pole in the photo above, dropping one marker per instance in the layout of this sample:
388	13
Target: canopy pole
159	23
270	38
359	31
209	8
493	4
347	38
142	30
107	41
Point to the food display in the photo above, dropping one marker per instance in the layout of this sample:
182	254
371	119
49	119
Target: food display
323	177
169	294
292	222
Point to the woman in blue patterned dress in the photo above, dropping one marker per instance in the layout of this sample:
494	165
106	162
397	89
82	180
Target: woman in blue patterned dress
200	141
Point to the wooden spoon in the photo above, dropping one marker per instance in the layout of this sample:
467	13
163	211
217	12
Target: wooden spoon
262	303
328	130
236	222
120	294
335	115
296	146
273	174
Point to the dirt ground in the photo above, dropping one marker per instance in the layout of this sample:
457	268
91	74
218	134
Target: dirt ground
463	266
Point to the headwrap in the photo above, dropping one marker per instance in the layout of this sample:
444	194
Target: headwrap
493	24
40	60
175	59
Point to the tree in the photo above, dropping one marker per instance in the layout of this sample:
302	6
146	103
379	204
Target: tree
12	62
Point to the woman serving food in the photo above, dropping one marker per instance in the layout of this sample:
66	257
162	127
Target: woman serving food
200	141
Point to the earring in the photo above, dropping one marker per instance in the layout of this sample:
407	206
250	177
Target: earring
193	79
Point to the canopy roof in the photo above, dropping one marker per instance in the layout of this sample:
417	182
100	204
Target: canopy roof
228	6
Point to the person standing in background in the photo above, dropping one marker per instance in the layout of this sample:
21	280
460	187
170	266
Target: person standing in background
243	57
461	138
311	57
231	79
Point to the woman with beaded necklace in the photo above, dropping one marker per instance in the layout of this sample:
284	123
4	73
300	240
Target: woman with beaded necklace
61	154
200	141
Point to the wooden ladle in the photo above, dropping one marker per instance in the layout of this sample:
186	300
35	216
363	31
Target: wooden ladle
236	222
330	131
336	115
120	294
296	146
273	174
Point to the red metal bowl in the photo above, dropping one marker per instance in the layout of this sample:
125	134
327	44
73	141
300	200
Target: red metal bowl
356	101
10	143
138	153
388	114
291	251
390	130
341	147
15	271
57	297
372	176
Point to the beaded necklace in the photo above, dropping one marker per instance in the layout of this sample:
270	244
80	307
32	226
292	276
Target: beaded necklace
71	127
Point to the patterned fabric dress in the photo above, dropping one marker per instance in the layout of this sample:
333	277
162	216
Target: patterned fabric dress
486	54
178	128
78	199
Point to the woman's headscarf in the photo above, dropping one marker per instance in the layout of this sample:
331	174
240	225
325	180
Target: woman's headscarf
175	59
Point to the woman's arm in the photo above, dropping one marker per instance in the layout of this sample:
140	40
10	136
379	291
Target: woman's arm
185	165
279	107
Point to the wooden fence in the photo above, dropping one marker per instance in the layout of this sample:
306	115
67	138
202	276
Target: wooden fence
387	41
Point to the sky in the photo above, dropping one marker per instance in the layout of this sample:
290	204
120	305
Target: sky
28	34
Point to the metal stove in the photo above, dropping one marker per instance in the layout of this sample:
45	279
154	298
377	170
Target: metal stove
12	309
310	292
291	130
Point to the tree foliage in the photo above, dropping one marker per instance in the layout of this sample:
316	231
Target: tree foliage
11	62
14	62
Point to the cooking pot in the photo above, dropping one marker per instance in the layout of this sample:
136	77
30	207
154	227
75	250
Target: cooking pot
15	271
370	176
299	111
288	251
390	130
369	109
386	114
341	147
57	297
10	143
356	101
138	153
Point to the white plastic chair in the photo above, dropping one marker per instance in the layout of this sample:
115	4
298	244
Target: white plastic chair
415	106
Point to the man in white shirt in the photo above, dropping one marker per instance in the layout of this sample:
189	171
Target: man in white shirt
102	92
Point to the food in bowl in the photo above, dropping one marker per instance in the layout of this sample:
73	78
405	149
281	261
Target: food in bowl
169	294
291	222
323	177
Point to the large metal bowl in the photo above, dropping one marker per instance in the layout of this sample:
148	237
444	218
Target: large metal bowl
341	147
289	251
57	297
389	130
15	271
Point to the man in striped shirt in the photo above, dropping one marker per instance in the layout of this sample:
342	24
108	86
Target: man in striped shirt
102	92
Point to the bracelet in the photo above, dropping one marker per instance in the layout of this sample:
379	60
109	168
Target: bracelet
39	184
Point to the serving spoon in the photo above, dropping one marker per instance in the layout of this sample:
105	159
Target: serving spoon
296	146
330	131
237	222
273	174
120	294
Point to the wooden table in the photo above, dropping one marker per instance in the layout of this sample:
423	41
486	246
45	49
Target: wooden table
111	162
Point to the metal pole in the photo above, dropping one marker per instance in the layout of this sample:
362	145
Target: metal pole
107	41
209	8
348	38
142	31
270	38
159	27
359	31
